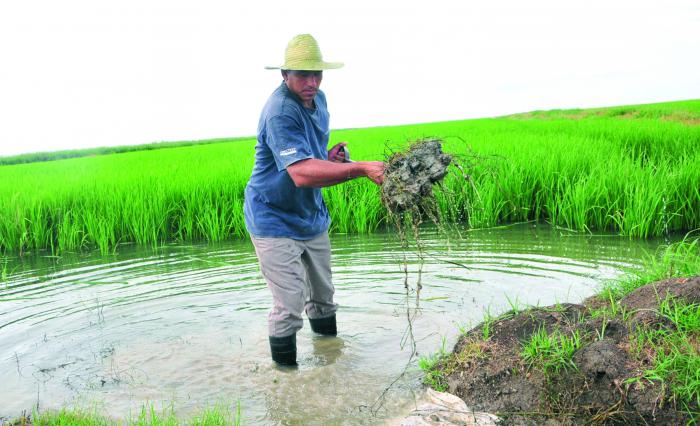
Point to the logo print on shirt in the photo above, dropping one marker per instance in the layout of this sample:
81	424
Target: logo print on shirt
289	151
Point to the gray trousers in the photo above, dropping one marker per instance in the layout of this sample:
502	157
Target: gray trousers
298	273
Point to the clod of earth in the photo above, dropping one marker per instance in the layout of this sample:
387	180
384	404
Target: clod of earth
409	176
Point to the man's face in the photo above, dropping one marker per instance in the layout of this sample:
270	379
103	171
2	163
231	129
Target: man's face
304	84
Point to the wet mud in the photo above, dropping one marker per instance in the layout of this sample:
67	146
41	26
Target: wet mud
410	176
490	374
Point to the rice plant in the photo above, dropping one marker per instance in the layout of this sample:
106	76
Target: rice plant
633	170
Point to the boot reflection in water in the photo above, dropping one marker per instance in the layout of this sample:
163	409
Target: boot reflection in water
328	350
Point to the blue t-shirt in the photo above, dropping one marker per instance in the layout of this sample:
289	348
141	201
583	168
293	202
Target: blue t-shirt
287	132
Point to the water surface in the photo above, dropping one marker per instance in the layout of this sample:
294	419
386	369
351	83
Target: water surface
185	326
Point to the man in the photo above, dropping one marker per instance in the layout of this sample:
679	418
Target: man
284	209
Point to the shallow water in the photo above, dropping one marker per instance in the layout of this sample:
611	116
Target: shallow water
186	326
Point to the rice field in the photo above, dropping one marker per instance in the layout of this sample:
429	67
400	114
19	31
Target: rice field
634	170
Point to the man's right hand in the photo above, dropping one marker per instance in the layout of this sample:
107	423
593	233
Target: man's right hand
374	170
314	173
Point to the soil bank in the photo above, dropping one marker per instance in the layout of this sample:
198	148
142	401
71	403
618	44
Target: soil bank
606	378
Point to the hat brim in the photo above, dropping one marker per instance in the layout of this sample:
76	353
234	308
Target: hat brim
309	66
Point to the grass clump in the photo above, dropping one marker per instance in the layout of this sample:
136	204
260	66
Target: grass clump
438	366
218	415
672	353
434	376
551	352
68	417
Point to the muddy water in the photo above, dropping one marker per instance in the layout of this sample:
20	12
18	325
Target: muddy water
186	326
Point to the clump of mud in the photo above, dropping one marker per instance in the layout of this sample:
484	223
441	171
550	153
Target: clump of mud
407	193
409	176
604	388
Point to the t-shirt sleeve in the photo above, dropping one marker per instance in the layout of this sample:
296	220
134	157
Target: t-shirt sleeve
287	141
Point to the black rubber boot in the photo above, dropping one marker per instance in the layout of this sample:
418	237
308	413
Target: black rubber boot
284	350
325	326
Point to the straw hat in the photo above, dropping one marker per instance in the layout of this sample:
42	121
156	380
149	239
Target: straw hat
303	54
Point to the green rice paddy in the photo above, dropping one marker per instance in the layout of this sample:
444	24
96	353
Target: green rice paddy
634	170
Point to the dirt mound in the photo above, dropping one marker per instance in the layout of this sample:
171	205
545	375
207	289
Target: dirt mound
649	296
409	176
489	371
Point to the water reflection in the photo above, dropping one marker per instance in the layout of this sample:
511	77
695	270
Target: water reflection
326	350
186	325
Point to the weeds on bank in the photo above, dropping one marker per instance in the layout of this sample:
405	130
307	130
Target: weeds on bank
68	417
471	350
673	353
669	352
675	260
551	352
218	415
685	317
516	306
434	376
611	309
490	319
487	324
439	366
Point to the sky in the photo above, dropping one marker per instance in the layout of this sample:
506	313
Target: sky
89	73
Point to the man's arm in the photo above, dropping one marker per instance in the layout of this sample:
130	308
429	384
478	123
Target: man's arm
320	173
